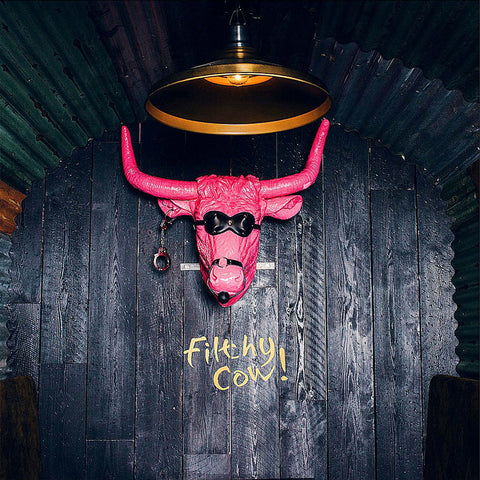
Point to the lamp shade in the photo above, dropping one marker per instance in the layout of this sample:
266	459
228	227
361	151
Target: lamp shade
238	95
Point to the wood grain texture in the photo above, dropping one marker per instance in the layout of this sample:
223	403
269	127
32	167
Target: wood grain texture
62	412
19	430
27	257
301	301
148	406
66	260
206	414
351	441
398	386
206	467
437	308
388	171
112	313
309	253
109	460
255	407
158	421
24	342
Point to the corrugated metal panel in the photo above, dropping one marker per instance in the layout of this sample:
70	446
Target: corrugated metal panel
441	38
58	87
139	48
382	99
462	197
5	244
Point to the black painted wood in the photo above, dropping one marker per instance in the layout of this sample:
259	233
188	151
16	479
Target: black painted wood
109	460
136	409
206	467
351	442
27	257
112	313
66	252
436	289
62	414
206	414
301	306
398	386
158	427
309	248
255	412
255	407
24	342
26	285
388	171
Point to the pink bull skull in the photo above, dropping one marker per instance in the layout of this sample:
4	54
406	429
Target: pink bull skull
227	213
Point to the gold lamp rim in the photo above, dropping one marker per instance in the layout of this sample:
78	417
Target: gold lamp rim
227	67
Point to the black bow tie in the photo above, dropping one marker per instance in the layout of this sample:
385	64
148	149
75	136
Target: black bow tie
216	223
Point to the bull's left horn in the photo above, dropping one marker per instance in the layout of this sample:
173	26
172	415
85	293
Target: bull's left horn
160	187
299	181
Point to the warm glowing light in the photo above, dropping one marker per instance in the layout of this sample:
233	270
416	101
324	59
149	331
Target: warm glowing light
238	80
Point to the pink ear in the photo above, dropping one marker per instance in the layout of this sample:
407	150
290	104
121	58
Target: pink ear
176	208
283	208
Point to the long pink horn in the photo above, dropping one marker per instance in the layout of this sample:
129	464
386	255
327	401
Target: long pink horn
302	180
160	187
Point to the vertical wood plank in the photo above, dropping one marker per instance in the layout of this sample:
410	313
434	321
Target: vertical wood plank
436	289
206	467
206	415
109	460
398	396
112	314
66	260
301	306
62	411
25	290
158	427
24	342
206	418
351	440
255	420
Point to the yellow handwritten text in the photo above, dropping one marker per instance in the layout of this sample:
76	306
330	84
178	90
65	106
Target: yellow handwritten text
260	354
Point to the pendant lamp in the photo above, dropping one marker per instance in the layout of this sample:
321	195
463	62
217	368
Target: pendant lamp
238	94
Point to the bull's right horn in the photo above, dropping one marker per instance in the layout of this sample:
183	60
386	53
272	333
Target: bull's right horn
299	181
159	187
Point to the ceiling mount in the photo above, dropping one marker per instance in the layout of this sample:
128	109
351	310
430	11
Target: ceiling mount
238	94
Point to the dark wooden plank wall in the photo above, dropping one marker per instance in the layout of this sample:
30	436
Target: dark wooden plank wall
358	302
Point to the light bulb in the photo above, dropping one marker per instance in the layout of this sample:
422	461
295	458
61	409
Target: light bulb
238	80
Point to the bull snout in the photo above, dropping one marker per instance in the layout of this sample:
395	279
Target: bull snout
226	278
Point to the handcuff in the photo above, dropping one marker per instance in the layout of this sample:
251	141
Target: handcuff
162	251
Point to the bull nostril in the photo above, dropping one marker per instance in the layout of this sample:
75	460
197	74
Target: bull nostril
223	297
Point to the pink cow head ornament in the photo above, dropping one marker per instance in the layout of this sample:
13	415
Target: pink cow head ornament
227	213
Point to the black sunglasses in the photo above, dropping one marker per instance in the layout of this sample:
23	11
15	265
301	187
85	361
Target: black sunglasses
216	223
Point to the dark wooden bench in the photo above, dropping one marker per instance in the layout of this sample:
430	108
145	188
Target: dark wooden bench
452	447
19	433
